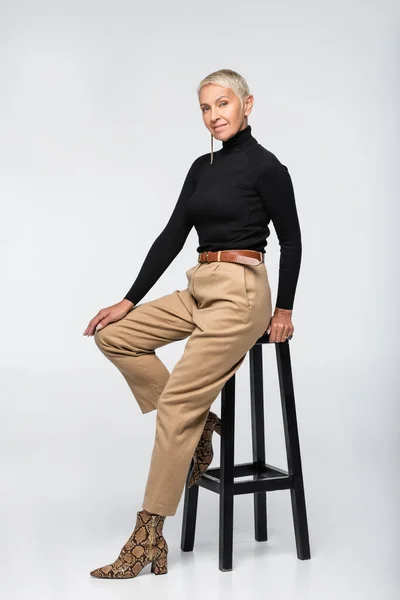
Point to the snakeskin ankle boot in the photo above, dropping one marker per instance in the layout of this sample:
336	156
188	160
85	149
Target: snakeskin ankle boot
146	545
204	452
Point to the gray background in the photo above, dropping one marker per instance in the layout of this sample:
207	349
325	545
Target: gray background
99	124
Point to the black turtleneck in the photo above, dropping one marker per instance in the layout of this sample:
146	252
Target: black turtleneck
230	202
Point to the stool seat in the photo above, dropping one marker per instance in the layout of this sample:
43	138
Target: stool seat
266	477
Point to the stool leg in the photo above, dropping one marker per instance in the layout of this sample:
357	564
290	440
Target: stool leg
258	438
226	496
189	515
293	449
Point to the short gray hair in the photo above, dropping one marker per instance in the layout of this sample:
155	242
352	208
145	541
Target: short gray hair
228	78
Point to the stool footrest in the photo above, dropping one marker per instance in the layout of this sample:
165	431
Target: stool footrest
266	479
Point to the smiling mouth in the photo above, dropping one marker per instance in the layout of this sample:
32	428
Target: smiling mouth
219	127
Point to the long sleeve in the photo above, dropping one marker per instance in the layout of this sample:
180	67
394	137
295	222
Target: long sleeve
277	194
167	245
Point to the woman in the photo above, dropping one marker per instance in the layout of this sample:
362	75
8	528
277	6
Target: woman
229	196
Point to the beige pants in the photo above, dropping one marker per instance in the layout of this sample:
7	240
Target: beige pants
225	308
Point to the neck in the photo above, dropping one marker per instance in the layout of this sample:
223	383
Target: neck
239	140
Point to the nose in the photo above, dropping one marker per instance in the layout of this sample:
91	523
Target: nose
214	116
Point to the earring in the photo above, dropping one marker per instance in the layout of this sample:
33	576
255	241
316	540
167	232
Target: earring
212	139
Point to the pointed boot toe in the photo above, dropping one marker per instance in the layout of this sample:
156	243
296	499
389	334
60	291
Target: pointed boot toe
102	572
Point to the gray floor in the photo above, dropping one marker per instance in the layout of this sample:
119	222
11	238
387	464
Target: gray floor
73	473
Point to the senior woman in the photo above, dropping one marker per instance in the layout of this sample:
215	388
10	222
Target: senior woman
229	196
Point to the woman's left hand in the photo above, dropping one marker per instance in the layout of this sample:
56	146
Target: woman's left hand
280	327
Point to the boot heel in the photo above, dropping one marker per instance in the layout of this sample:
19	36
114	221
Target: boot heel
159	566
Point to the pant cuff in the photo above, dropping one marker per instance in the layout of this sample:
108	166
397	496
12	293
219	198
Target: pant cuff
159	509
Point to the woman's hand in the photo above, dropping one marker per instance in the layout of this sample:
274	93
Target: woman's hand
280	327
108	315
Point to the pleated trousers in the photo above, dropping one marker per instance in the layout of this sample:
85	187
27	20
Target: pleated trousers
224	309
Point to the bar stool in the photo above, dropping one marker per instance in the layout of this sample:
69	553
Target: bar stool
266	477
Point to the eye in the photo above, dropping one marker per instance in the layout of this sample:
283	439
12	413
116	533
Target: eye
203	109
223	102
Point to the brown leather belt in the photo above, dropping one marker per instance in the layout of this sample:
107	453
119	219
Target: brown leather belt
247	257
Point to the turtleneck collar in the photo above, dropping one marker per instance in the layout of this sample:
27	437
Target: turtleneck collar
239	140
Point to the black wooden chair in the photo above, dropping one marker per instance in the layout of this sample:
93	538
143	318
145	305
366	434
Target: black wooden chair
266	478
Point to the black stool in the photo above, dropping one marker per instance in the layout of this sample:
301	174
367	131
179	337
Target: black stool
265	477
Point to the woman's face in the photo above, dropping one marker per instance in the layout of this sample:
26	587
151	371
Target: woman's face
222	114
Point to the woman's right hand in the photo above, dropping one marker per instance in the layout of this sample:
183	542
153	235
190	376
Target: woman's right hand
108	315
